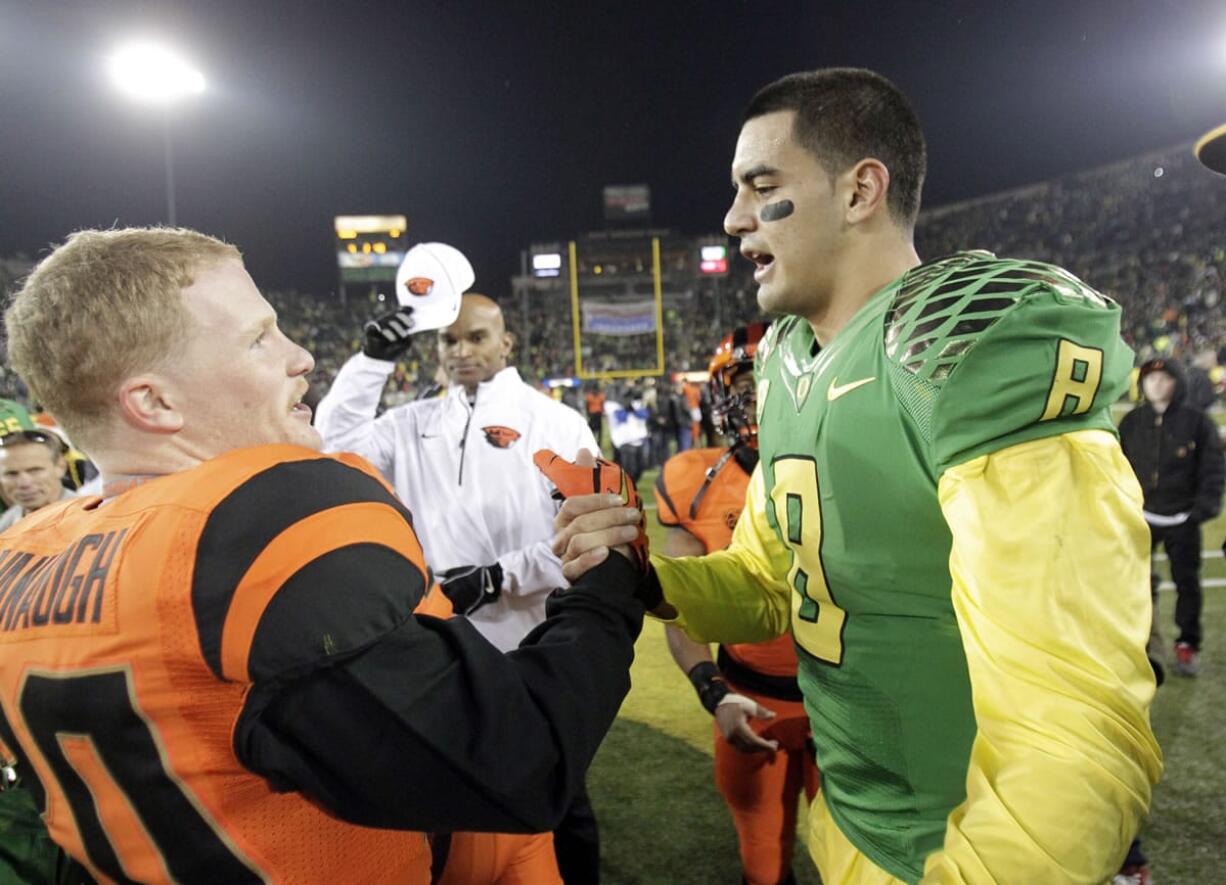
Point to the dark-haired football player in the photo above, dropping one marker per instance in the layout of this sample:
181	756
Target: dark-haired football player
941	514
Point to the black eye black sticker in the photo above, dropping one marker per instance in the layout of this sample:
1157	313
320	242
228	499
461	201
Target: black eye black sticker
777	211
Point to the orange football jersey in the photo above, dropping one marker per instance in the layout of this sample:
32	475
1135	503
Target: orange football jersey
709	510
131	632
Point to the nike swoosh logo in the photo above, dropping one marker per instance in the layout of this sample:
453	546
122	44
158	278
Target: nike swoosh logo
834	391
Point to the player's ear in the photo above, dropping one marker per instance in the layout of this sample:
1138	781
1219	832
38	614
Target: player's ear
508	343
868	189
146	404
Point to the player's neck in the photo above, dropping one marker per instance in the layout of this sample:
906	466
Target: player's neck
145	456
865	269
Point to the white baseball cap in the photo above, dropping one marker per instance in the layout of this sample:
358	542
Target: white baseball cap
431	280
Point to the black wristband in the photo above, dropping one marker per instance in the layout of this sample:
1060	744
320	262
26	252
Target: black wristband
710	685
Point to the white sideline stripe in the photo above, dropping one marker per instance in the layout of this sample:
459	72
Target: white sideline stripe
653	507
1205	554
1210	582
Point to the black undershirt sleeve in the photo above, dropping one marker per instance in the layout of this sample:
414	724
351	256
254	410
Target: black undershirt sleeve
432	728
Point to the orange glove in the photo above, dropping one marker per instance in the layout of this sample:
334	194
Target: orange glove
604	477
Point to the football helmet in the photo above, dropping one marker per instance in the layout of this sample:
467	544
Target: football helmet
733	401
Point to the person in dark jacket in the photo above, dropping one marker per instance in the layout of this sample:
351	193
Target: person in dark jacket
1177	456
1201	394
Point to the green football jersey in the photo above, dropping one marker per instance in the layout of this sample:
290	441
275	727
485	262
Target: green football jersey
958	358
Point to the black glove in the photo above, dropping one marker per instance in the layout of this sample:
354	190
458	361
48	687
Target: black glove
471	586
388	336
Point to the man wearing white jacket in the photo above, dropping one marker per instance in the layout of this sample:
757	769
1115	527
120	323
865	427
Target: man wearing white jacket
462	463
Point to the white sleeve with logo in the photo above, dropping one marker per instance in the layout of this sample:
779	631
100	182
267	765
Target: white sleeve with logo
345	417
534	569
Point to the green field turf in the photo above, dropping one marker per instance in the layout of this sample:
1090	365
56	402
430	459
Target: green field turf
663	822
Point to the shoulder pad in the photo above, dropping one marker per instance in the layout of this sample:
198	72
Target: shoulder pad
942	308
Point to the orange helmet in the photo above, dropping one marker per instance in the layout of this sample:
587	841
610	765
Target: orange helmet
734	413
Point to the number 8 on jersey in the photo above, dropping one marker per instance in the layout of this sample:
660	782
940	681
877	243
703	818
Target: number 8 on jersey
817	622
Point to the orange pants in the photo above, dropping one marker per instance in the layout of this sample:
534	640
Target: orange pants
500	859
763	789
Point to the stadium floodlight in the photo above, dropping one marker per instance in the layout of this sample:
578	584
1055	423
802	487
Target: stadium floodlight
147	72
152	74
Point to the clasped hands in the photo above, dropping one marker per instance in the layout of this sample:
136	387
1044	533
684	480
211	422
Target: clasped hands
601	511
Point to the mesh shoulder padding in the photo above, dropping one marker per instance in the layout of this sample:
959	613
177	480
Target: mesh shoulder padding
942	308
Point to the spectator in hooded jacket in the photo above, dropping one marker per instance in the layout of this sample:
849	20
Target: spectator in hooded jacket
1177	456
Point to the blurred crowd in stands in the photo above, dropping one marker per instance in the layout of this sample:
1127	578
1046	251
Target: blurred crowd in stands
1149	232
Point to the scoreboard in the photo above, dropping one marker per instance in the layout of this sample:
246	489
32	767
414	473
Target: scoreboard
369	248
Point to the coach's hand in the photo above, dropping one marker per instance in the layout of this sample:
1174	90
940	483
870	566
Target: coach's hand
732	717
388	336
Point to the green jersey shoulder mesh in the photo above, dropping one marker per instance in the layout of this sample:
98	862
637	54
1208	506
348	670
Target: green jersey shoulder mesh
1002	319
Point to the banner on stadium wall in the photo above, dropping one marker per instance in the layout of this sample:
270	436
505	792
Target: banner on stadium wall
619	317
614	331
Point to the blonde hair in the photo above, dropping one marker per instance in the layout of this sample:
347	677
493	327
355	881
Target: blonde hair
102	307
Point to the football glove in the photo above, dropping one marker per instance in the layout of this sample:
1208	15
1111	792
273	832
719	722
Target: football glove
471	586
388	336
570	479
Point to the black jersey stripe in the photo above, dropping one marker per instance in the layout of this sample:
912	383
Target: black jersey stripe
663	493
707	480
332	607
251	516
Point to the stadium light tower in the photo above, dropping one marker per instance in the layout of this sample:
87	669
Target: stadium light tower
152	74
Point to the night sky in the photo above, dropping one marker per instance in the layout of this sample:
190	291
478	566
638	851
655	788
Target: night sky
492	125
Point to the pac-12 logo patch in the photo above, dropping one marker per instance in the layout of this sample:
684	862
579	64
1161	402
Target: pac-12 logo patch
419	285
500	437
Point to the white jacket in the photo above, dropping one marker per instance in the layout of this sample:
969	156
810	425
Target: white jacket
466	473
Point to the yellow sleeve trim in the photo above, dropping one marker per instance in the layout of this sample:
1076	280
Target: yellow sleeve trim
738	594
1050	567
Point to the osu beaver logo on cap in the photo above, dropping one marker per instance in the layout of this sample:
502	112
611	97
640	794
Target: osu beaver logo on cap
419	285
500	437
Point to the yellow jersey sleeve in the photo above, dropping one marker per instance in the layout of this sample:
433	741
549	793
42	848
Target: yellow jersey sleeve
733	595
1050	567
